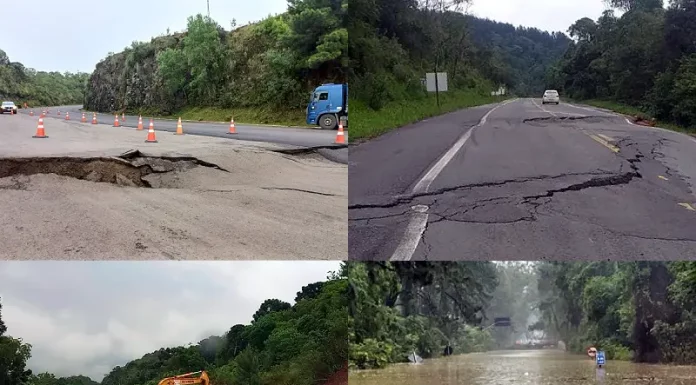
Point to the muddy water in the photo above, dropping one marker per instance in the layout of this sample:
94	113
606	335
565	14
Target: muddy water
524	367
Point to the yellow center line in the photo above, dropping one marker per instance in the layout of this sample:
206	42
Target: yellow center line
687	206
604	143
662	177
607	138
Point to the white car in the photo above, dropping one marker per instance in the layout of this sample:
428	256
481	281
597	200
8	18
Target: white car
8	107
550	96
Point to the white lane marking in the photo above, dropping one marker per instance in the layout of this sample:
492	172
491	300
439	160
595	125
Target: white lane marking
589	109
419	219
544	109
569	113
412	236
423	184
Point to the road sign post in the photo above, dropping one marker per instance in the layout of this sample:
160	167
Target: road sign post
600	359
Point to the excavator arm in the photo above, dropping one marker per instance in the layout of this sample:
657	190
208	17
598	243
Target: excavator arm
193	378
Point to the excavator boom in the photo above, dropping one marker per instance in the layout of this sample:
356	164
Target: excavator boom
187	379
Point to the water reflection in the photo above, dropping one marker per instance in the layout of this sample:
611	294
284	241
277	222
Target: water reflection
524	367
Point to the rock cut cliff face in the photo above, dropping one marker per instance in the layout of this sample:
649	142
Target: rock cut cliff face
128	81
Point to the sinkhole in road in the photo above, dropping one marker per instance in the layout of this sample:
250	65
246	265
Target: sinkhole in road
132	169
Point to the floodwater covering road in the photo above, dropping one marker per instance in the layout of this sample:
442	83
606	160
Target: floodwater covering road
523	181
524	367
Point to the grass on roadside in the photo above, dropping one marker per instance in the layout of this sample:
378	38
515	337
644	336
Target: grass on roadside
244	115
634	111
368	123
251	115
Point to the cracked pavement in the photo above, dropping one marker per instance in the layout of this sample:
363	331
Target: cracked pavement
533	182
88	192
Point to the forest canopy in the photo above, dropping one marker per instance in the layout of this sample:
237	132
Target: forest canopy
36	88
643	58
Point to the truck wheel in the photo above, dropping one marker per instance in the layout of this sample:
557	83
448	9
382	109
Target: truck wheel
328	122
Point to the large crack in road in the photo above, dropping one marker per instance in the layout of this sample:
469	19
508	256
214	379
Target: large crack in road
129	169
526	206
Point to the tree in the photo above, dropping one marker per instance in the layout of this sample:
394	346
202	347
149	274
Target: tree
14	355
310	291
632	5
270	306
583	29
3	328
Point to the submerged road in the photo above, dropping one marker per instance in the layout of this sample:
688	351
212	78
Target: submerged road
524	367
522	181
286	136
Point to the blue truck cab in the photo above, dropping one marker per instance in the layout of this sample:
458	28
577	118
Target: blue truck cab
328	106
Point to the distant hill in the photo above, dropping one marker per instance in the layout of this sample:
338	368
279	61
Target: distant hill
36	88
527	52
393	43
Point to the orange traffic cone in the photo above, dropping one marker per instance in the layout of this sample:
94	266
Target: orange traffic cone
151	133
84	118
116	121
123	117
340	136
232	130
179	128
31	113
40	133
94	118
59	113
67	116
140	123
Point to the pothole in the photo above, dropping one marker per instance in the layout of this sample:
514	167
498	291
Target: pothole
129	169
592	119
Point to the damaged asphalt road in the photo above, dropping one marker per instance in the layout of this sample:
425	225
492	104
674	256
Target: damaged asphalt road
101	193
133	168
533	182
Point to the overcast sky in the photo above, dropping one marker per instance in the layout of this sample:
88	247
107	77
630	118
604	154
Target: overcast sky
549	15
88	317
73	35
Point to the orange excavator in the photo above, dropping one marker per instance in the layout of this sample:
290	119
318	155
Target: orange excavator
200	377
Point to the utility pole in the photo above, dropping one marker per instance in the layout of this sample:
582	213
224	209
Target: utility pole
208	1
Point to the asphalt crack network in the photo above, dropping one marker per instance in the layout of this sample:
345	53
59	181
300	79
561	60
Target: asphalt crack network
407	199
533	203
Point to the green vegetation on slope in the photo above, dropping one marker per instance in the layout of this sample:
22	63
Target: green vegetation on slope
643	59
303	344
258	73
639	310
394	43
399	308
25	85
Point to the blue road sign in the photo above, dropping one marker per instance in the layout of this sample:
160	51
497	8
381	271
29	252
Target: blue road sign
600	358
502	321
